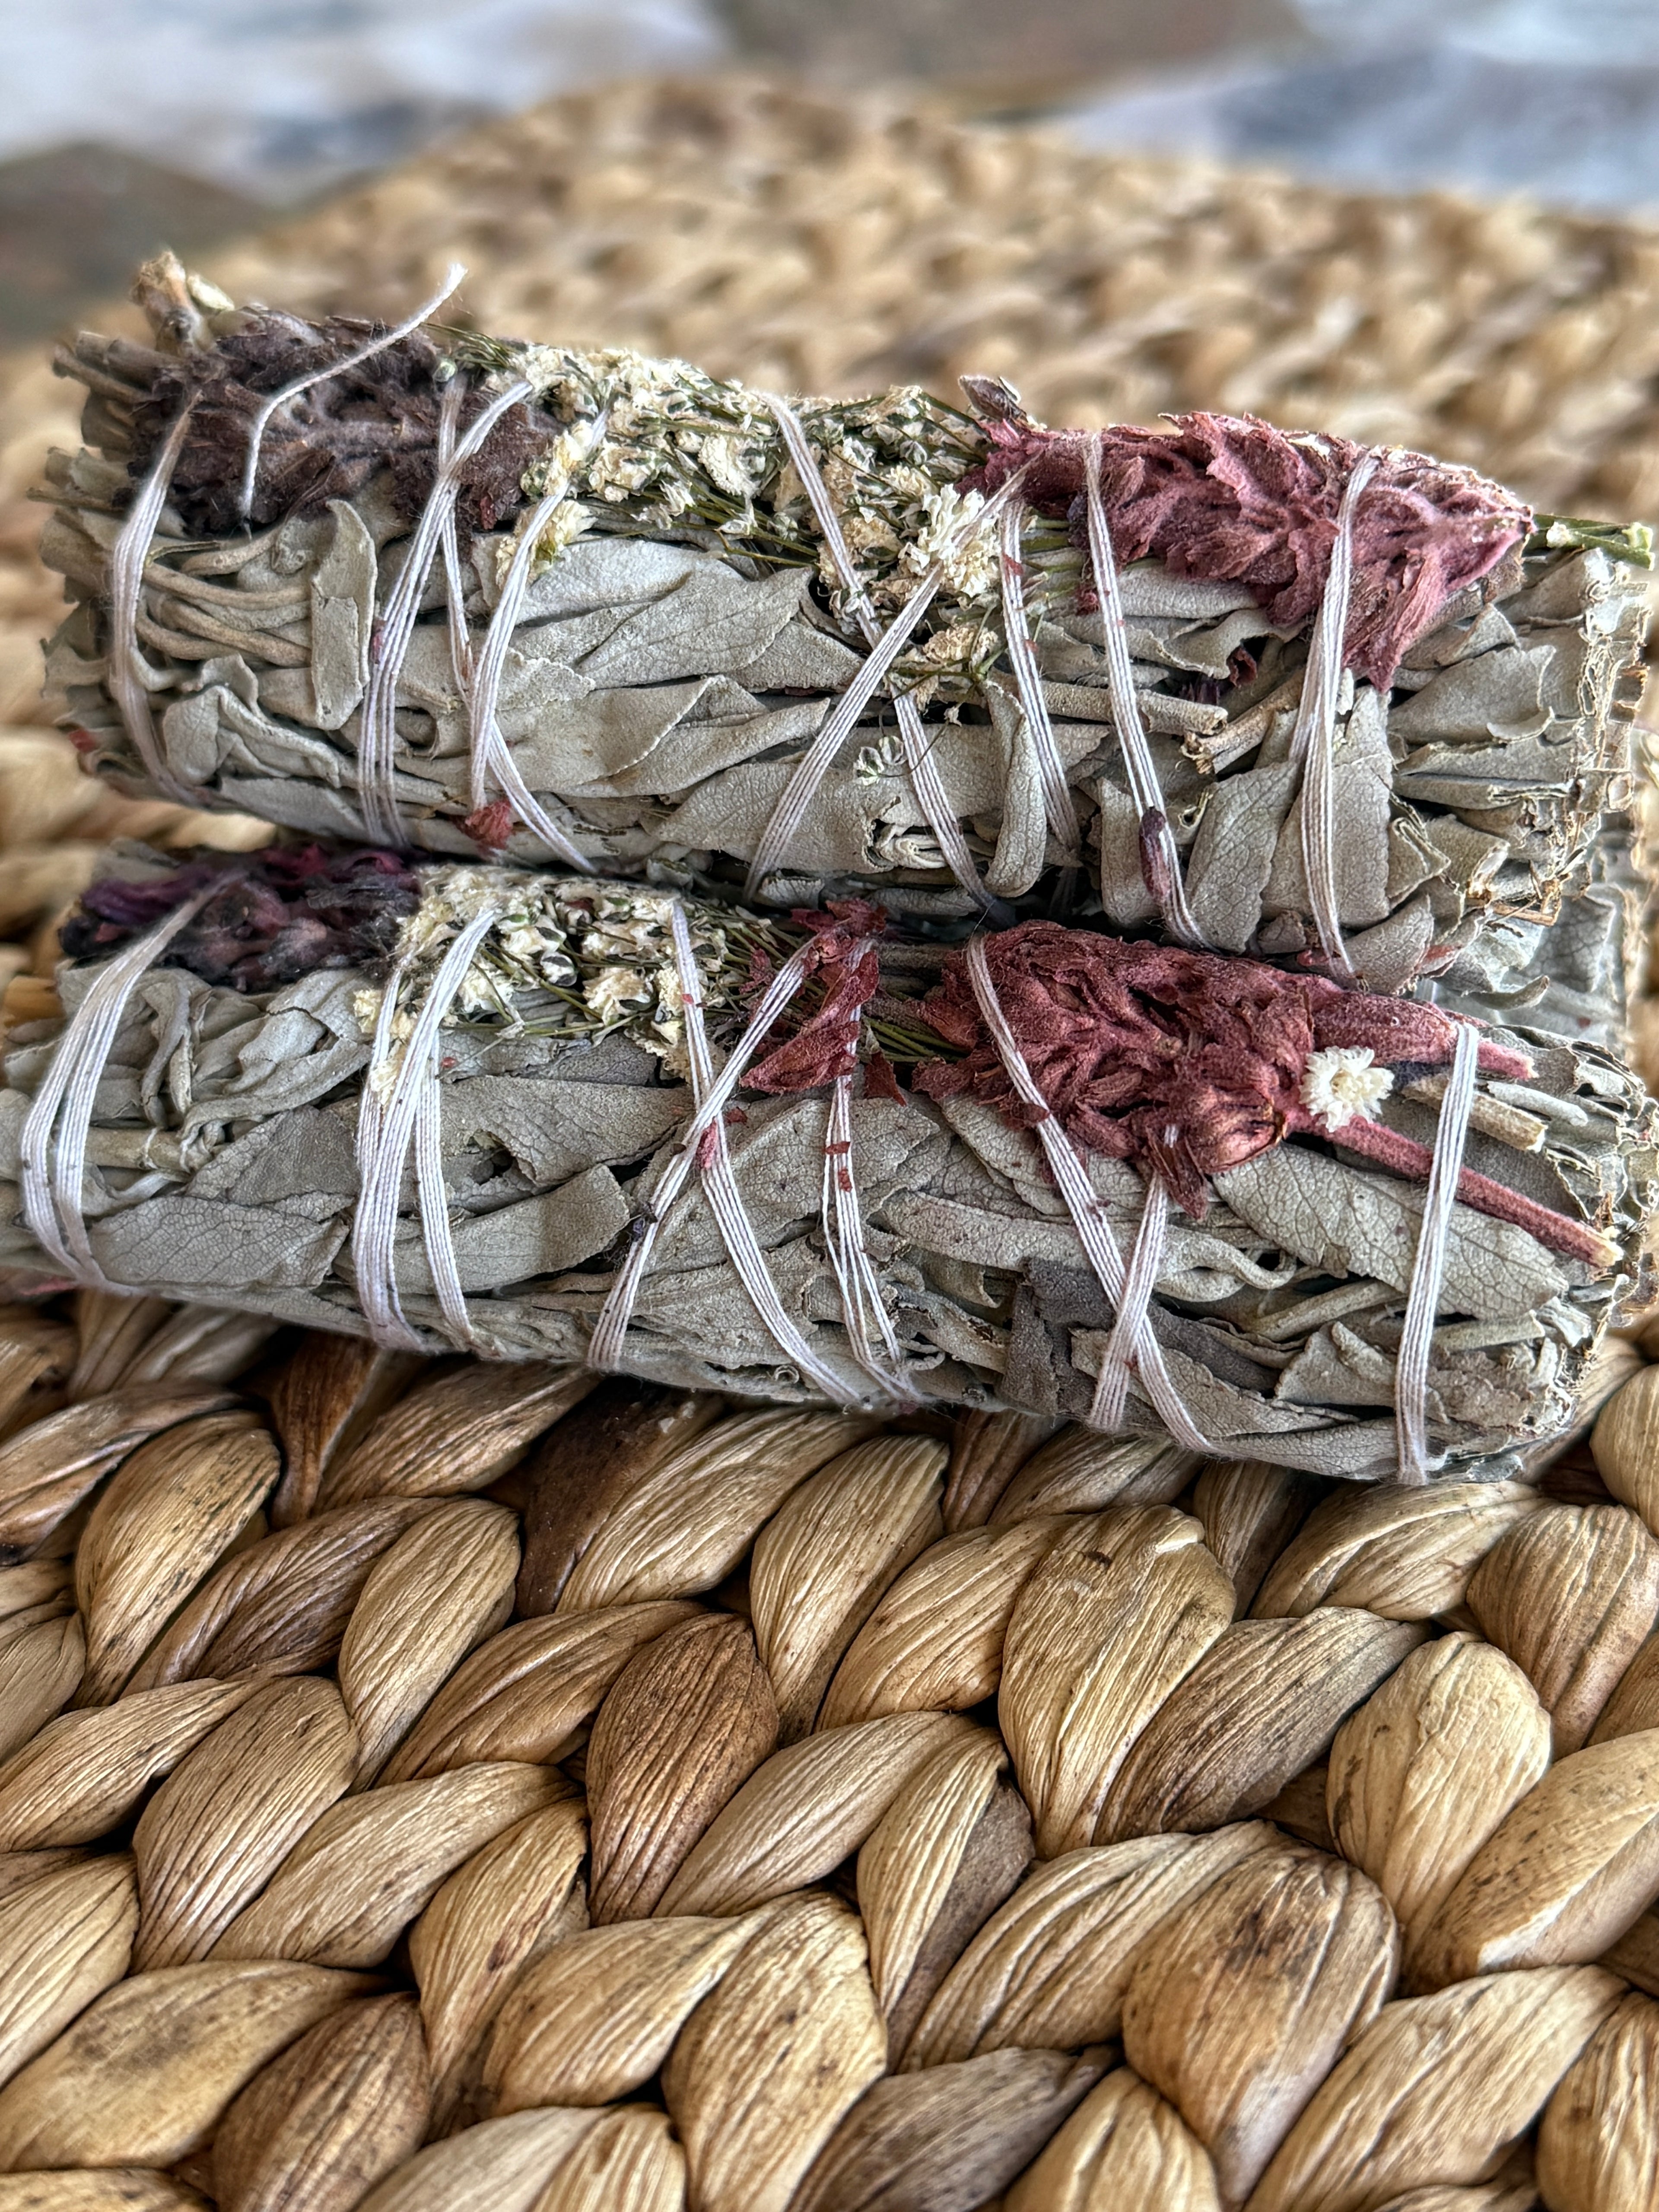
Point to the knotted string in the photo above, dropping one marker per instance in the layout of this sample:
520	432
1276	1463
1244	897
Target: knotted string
491	755
1160	858
411	1113
886	647
1058	806
261	421
129	672
1071	1176
50	1184
1410	1374
719	1185
1313	742
383	823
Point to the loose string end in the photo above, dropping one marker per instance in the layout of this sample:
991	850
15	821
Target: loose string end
261	421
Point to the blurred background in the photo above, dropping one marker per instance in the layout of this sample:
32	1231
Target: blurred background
128	119
1431	223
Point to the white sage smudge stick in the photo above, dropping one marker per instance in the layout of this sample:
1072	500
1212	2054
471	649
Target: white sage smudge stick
687	681
576	1198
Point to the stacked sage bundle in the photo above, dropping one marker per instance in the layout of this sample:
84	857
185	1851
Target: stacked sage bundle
476	1106
453	593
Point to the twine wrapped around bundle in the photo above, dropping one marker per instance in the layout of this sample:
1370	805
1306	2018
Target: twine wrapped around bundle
450	1791
1265	693
1215	1205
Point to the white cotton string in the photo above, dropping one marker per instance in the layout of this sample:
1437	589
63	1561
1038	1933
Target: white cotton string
605	1347
1144	787
460	634
50	1182
719	1185
802	788
492	757
1094	1230
371	1102
926	780
1410	1374
1058	803
261	421
433	1197
377	744
128	672
384	1132
1313	741
863	1308
934	801
1112	1385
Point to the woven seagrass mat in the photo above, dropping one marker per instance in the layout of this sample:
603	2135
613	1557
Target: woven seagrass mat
640	1803
643	1803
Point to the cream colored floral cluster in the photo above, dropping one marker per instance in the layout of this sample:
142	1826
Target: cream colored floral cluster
570	956
684	454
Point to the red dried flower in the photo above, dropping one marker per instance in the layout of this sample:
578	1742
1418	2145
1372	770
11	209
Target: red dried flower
843	954
489	827
1193	1062
1131	1041
1233	500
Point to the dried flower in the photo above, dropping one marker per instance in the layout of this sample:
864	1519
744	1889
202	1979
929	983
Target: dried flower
1341	1081
1229	496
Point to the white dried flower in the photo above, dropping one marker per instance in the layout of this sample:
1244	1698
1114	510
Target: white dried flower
952	648
953	534
722	461
916	484
839	480
615	994
867	533
1344	1081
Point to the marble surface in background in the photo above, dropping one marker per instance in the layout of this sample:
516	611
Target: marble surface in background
131	123
1547	97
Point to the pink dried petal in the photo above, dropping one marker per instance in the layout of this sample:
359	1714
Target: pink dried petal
1229	499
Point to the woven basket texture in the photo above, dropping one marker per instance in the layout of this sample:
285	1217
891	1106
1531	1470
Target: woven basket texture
433	1788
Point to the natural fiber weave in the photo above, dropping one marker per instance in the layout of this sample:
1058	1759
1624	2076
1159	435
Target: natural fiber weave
639	1804
639	1816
